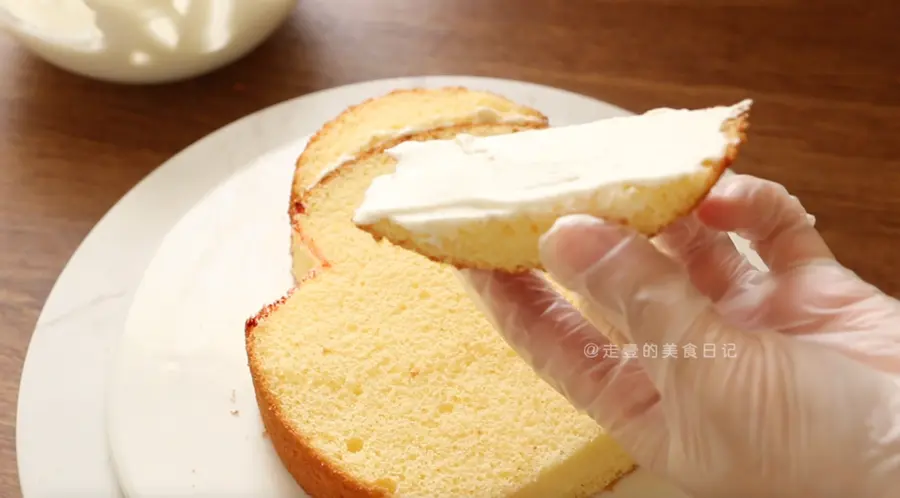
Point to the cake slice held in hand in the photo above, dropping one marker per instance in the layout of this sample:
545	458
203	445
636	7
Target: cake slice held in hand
483	202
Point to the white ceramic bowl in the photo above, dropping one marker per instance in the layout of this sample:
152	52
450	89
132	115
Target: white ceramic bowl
142	41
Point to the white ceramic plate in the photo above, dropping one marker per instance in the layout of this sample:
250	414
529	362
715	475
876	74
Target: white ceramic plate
182	417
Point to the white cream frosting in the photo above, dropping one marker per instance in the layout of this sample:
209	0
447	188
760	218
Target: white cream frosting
450	181
481	115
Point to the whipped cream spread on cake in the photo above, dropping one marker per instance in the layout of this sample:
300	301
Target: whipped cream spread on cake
447	181
481	115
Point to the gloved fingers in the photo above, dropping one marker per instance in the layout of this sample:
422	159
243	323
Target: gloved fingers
562	347
623	278
764	213
877	349
827	304
807	299
712	261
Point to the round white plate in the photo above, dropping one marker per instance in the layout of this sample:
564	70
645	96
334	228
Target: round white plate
182	416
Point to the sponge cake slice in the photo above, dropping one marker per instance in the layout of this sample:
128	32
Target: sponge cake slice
485	202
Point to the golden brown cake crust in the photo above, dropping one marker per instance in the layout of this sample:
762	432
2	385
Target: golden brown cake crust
297	188
317	476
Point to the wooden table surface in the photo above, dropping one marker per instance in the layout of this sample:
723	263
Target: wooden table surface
826	124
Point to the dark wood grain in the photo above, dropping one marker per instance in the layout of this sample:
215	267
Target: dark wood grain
825	75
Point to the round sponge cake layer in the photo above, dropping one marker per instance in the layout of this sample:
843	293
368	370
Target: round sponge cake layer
378	376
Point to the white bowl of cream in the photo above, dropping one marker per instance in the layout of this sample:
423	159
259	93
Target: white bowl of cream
142	41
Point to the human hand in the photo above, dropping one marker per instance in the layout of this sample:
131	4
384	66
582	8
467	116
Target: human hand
809	404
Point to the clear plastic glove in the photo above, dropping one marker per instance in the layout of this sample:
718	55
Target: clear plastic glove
794	389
